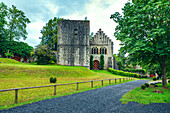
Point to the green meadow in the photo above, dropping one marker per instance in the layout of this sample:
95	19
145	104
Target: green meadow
15	74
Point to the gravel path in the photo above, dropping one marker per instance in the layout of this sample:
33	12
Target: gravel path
103	100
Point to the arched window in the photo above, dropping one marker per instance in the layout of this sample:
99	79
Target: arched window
105	51
92	50
97	50
100	50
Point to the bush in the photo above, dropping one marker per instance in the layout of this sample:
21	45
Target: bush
144	76
146	84
143	87
29	61
91	62
53	80
168	81
154	79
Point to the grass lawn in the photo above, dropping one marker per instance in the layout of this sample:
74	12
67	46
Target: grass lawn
147	96
14	74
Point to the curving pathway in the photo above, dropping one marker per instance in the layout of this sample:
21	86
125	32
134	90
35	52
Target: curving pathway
103	100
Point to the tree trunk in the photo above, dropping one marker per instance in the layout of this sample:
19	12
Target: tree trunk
164	80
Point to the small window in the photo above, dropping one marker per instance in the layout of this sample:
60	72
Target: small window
100	50
75	31
100	33
105	51
97	50
92	51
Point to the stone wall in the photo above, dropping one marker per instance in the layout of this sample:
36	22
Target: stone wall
73	43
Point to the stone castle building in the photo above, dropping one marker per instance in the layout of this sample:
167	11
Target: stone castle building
74	47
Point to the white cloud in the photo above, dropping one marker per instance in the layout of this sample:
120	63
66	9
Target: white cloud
34	33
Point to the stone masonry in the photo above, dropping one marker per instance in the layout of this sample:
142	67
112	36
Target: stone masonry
74	47
73	43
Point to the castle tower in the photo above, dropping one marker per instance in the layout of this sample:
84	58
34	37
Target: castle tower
73	43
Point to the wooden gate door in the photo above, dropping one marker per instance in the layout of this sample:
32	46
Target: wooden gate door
96	65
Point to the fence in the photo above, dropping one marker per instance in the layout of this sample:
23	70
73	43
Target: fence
16	89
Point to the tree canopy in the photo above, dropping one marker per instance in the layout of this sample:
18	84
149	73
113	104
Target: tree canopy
143	30
13	23
49	33
19	48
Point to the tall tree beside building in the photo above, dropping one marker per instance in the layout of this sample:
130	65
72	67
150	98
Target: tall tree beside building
49	33
143	30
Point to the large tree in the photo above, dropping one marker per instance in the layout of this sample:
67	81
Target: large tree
143	30
17	24
49	33
13	23
3	22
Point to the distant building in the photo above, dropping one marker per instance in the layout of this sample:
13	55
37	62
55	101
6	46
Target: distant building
74	47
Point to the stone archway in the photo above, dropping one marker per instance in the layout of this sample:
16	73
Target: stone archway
96	65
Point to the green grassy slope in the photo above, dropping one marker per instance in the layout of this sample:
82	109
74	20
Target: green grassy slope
15	74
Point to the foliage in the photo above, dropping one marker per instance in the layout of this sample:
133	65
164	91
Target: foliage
120	61
53	80
154	79
14	23
91	35
101	62
143	71
168	81
144	32
3	22
44	54
151	72
49	33
143	87
122	73
146	84
18	48
91	62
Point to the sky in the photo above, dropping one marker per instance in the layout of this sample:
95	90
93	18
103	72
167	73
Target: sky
98	12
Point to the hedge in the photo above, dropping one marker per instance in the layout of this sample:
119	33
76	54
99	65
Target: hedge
143	71
128	74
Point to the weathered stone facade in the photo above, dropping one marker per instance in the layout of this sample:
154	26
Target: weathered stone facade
73	43
74	47
101	44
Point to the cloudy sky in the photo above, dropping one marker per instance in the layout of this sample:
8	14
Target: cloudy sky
97	11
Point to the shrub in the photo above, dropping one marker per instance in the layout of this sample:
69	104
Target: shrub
29	61
91	62
146	84
53	80
143	87
168	81
154	79
101	62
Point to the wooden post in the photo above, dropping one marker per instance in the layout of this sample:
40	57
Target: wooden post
109	81
55	90
91	83
16	96
126	78
119	79
115	80
123	79
102	82
77	86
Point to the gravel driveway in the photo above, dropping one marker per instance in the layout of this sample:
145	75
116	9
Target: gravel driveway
103	100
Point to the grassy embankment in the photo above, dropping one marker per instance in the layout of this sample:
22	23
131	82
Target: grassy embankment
147	96
14	74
